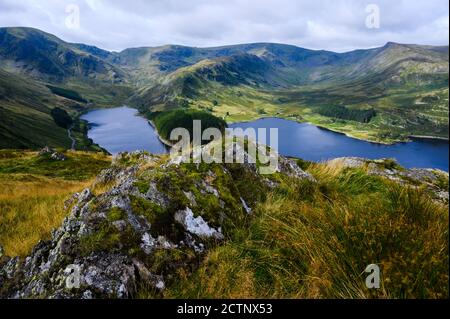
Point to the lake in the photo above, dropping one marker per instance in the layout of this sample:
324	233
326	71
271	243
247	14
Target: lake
313	143
122	129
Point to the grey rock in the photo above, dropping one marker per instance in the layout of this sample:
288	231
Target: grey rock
245	206
191	198
209	189
109	274
196	225
156	196
290	168
58	156
52	153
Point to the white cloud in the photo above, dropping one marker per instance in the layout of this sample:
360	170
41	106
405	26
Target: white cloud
318	24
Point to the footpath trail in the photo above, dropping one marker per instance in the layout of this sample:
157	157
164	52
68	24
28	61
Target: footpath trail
69	133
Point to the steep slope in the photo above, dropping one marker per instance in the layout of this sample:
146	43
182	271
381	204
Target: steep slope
44	56
32	62
25	120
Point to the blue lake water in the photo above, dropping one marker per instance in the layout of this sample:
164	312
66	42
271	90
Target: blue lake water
312	143
121	129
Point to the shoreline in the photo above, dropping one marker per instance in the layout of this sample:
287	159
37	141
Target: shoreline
428	137
162	140
321	127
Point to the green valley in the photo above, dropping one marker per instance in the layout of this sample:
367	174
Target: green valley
404	87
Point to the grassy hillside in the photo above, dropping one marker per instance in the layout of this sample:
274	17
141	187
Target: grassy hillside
40	73
33	192
311	240
301	234
25	108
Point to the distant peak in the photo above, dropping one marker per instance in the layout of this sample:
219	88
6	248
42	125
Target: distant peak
392	44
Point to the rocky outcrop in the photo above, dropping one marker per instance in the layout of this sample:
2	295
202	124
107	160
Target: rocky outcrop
51	153
436	181
130	228
290	168
146	219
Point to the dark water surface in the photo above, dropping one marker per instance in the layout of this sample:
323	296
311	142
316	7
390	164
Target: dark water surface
121	129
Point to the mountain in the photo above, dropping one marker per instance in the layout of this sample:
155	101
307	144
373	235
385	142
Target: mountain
32	62
41	55
405	84
276	65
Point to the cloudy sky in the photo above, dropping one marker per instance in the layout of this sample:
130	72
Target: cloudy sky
338	25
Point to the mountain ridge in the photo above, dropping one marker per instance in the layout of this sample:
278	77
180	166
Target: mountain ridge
243	81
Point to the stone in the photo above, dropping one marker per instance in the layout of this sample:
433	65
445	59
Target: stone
290	168
52	153
247	209
196	225
156	196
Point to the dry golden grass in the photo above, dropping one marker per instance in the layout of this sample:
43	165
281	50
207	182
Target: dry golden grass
33	190
30	210
315	240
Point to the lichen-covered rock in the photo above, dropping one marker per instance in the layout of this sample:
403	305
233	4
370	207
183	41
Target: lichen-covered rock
131	227
51	153
196	225
157	196
246	207
58	156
